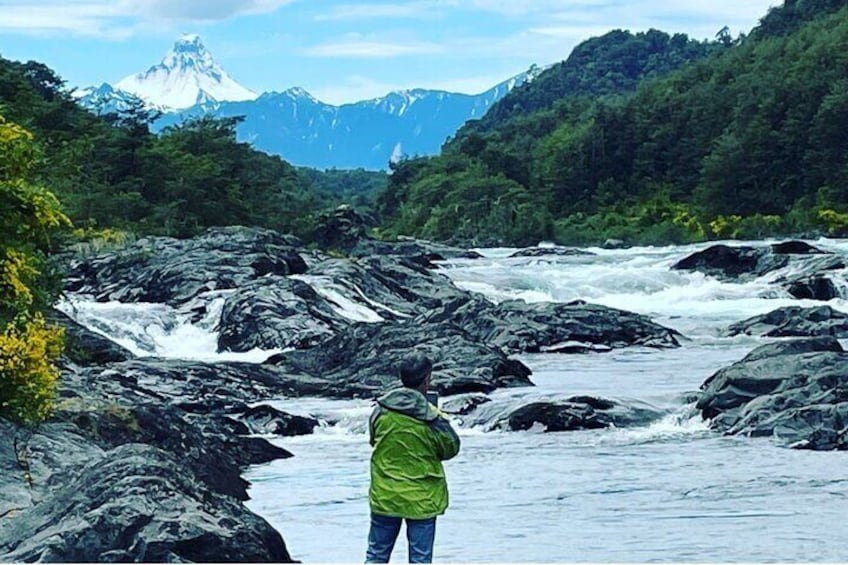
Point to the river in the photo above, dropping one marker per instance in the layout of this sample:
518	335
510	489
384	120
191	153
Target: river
669	491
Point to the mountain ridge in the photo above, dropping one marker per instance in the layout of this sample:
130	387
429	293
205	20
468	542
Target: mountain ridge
294	124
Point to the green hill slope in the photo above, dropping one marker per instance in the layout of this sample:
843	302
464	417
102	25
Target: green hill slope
748	142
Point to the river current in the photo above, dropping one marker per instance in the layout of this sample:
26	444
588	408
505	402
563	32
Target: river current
668	491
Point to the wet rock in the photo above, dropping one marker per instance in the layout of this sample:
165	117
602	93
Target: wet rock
362	361
551	252
340	230
794	321
724	261
796	248
463	404
86	347
730	263
518	326
795	391
416	249
172	271
816	287
213	454
268	420
276	313
137	503
578	413
393	287
192	386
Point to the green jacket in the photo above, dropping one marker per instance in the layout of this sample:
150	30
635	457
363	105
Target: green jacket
411	438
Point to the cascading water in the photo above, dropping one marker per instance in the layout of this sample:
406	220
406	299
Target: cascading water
670	490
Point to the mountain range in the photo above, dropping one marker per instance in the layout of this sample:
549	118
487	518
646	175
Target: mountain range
369	134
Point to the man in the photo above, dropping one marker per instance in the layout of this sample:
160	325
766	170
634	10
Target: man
411	438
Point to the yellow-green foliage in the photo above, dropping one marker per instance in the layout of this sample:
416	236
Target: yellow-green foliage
28	374
836	222
29	217
92	240
726	227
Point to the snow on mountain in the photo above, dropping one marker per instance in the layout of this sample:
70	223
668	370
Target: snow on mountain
294	124
187	76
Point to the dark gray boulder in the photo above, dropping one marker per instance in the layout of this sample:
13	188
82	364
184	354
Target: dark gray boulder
730	263
340	229
794	321
815	287
551	252
192	386
399	286
276	312
464	404
171	271
137	503
265	419
300	312
362	361
578	413
795	391
416	249
724	261
574	327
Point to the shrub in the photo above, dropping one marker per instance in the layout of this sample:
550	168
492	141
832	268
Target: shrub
28	374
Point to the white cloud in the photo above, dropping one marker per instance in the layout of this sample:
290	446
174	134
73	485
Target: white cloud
113	19
206	10
364	49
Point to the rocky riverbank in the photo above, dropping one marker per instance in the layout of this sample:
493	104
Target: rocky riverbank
143	457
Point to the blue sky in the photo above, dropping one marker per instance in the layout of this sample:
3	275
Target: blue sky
341	50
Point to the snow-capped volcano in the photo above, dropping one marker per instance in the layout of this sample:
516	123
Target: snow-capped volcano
188	75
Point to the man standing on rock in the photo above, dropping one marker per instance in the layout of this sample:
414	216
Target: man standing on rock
411	437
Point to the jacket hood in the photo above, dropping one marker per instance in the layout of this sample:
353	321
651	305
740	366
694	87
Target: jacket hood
409	402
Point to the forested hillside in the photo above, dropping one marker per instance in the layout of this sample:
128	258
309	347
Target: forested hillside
747	142
113	172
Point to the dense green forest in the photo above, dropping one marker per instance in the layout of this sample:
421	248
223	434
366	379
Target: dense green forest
113	172
747	141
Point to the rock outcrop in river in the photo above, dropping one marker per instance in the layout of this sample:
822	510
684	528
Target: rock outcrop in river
794	321
810	277
795	391
142	459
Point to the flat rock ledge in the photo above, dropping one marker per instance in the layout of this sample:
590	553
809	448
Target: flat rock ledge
795	391
794	321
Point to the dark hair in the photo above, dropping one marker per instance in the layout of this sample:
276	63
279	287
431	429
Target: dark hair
414	369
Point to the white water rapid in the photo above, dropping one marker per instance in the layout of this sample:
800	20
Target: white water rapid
668	491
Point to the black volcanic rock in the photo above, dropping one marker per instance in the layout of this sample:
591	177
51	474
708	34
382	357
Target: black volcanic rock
794	321
551	252
810	276
171	271
518	326
276	312
418	250
137	503
363	360
268	420
578	413
340	230
815	287
726	262
795	391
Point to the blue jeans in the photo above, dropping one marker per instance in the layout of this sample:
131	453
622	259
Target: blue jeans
384	532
